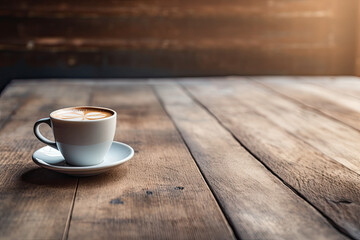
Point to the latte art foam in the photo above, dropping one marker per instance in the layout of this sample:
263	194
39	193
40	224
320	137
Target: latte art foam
78	114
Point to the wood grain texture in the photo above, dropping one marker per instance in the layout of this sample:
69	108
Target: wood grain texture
160	193
11	99
337	105
265	125
174	8
317	130
141	27
237	178
250	37
35	203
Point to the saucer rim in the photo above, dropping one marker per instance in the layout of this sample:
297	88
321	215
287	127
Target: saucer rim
41	163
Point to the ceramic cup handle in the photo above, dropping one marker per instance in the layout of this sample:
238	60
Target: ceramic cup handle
40	136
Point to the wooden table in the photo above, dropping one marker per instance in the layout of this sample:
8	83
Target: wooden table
216	158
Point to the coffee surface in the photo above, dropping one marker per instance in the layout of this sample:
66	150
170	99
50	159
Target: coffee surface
82	113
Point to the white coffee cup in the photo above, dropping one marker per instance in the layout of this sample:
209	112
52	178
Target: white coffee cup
82	142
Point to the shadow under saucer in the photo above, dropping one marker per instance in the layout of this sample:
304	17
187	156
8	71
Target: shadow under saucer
45	177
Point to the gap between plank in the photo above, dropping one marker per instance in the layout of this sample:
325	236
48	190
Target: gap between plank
231	224
269	169
68	220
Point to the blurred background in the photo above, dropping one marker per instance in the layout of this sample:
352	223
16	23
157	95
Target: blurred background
173	38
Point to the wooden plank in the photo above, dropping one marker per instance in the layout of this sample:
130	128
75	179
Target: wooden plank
271	128
328	132
160	193
173	8
303	30
317	130
35	203
347	85
82	44
336	105
257	203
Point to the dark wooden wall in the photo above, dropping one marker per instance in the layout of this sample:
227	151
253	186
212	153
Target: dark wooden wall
148	38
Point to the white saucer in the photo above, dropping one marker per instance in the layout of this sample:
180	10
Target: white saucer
50	158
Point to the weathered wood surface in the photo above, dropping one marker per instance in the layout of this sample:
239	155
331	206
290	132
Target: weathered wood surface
215	159
333	138
34	203
272	129
258	204
11	99
160	193
337	105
